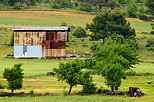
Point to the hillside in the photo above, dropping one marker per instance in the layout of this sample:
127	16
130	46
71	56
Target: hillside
35	70
9	19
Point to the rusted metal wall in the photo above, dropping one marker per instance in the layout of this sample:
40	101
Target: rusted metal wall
52	43
55	44
29	38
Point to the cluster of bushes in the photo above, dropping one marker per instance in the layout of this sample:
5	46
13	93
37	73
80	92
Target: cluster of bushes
133	73
150	44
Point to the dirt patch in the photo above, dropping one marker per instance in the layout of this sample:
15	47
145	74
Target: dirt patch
134	19
50	12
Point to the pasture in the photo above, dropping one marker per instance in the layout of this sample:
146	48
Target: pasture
36	79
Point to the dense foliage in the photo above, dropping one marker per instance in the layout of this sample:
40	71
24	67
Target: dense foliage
14	77
79	32
71	73
109	22
113	58
131	7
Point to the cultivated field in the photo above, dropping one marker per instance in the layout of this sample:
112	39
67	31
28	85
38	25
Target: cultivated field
35	70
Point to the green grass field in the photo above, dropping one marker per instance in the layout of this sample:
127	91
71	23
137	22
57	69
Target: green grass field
35	79
67	99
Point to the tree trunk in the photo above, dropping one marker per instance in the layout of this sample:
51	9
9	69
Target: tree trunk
112	88
70	90
12	91
103	40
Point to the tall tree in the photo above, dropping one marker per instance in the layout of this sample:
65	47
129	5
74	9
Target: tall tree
108	22
113	58
150	5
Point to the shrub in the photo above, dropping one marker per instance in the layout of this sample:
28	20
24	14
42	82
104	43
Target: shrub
55	6
88	86
85	45
150	48
143	17
150	42
31	93
85	7
63	24
152	32
131	73
79	32
17	6
11	40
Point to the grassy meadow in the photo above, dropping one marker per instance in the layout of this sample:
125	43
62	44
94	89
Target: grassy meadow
35	70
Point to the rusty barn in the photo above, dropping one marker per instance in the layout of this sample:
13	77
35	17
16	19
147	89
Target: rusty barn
40	41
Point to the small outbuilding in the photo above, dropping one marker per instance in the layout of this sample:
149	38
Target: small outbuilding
40	41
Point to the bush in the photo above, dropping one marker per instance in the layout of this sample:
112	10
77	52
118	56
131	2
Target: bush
55	6
150	42
79	32
17	6
150	48
152	32
11	40
88	86
85	7
63	24
131	73
85	45
32	94
143	17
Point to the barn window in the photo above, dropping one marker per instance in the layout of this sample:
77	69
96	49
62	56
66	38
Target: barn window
50	36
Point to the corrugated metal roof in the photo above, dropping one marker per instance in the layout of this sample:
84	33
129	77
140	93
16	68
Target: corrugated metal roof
41	28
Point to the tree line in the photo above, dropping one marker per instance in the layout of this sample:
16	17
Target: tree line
132	8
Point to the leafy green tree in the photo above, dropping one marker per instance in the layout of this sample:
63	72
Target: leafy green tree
33	2
79	32
88	86
70	72
150	5
132	10
83	6
109	22
17	6
113	58
14	77
11	40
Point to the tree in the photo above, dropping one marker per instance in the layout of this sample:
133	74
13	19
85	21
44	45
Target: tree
70	72
79	32
11	40
83	6
113	58
88	86
17	6
14	77
150	5
109	22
